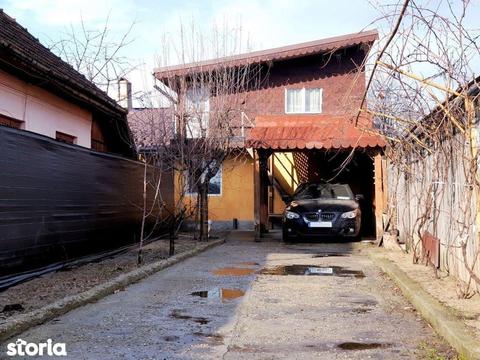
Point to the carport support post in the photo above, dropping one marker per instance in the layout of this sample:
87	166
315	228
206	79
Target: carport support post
261	192
379	196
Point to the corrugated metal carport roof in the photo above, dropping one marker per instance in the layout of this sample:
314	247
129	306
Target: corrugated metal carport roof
290	132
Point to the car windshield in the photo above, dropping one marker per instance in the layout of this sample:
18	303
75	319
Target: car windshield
323	191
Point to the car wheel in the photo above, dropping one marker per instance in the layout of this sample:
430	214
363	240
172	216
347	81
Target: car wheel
285	236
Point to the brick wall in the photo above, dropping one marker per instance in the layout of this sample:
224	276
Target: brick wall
337	74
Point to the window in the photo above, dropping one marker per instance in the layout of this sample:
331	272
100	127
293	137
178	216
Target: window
198	107
65	138
9	122
214	186
300	101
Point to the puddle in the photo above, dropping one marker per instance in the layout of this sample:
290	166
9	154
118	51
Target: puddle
218	293
361	310
233	271
171	338
361	346
322	255
312	270
366	302
212	337
249	263
12	308
201	320
365	306
176	314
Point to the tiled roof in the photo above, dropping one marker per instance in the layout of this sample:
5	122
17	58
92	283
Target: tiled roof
151	126
312	132
275	54
17	42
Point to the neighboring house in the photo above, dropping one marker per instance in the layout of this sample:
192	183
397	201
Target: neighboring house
41	93
303	118
151	127
69	183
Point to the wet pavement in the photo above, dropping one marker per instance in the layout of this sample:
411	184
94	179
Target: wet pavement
245	300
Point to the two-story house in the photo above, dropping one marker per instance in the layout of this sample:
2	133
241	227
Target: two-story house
304	128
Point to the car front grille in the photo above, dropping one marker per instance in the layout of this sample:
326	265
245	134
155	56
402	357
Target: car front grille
327	216
311	216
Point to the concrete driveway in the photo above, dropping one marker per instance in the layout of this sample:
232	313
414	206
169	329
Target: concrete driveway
235	302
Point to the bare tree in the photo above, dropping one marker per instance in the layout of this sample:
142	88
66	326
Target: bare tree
208	104
423	94
162	210
98	54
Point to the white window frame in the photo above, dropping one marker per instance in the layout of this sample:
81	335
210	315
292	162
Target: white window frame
302	111
194	193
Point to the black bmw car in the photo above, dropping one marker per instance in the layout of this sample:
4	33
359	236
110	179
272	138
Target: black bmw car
322	209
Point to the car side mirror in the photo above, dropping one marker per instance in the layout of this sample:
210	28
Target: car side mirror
286	198
359	197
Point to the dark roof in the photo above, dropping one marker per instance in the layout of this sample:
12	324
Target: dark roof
275	54
312	132
16	43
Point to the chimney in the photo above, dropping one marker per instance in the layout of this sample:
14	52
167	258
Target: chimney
125	93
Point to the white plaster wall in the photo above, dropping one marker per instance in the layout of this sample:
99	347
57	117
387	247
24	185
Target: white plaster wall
43	112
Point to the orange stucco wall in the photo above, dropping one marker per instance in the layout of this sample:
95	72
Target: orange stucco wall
236	199
278	204
43	112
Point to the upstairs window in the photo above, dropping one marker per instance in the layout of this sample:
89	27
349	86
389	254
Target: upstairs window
303	101
198	107
65	138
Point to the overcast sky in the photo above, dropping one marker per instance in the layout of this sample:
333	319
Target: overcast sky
267	23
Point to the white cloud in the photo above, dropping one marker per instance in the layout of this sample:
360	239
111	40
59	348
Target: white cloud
266	23
66	12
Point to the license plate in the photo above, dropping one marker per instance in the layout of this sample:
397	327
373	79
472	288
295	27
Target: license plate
320	224
319	270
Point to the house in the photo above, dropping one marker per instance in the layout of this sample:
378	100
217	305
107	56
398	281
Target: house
41	93
303	128
70	184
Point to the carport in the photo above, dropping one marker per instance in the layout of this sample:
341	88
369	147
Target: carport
291	149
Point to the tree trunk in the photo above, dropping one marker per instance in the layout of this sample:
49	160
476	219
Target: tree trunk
203	209
144	216
171	250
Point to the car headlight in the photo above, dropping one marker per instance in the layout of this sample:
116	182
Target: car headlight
349	214
291	215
